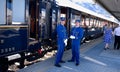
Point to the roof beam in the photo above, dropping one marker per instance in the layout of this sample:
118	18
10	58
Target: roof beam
115	11
104	6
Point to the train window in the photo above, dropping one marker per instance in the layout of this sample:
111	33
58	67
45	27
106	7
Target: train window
91	22
87	21
99	23
82	21
96	25
2	11
9	11
43	23
62	15
18	12
73	18
53	20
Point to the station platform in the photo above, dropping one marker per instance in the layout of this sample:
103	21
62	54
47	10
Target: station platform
93	58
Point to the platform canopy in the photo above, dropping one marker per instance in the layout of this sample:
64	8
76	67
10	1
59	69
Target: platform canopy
113	6
71	4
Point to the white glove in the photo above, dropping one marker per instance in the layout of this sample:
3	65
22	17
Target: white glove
72	37
65	41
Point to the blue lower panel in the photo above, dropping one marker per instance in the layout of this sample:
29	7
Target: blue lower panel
12	40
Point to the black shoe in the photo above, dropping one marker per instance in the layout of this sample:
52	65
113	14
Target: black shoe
57	65
70	60
77	64
108	48
105	48
62	61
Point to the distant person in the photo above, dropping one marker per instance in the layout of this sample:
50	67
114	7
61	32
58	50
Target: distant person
117	37
86	32
107	36
76	36
104	27
61	41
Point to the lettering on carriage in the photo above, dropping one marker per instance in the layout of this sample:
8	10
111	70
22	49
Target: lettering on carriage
5	50
1	41
2	51
13	48
10	49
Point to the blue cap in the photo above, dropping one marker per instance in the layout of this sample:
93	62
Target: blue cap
62	19
77	21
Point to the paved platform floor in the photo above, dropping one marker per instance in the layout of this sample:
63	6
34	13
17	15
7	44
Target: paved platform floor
93	58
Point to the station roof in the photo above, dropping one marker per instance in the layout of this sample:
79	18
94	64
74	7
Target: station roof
75	6
113	6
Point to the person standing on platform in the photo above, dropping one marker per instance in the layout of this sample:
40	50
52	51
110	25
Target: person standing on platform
107	36
61	41
104	27
117	37
76	36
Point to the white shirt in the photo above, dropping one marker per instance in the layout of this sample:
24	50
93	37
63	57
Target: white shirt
117	31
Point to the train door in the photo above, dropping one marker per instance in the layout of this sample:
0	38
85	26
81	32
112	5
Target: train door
54	15
33	11
42	22
65	12
53	22
34	42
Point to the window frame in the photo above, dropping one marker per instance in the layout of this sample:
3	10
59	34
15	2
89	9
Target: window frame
19	22
8	17
4	14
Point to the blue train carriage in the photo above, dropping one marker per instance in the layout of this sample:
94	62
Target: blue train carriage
14	30
92	26
24	25
53	20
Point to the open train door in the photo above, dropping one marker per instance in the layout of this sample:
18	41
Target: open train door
34	42
54	16
66	12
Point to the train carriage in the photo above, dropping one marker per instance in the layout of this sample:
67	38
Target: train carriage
24	25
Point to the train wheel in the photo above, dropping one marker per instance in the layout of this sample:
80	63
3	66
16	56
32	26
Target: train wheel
3	64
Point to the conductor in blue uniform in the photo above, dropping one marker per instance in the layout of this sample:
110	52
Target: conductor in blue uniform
61	41
76	36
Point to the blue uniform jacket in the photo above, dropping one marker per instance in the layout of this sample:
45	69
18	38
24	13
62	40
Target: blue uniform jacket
61	32
78	33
